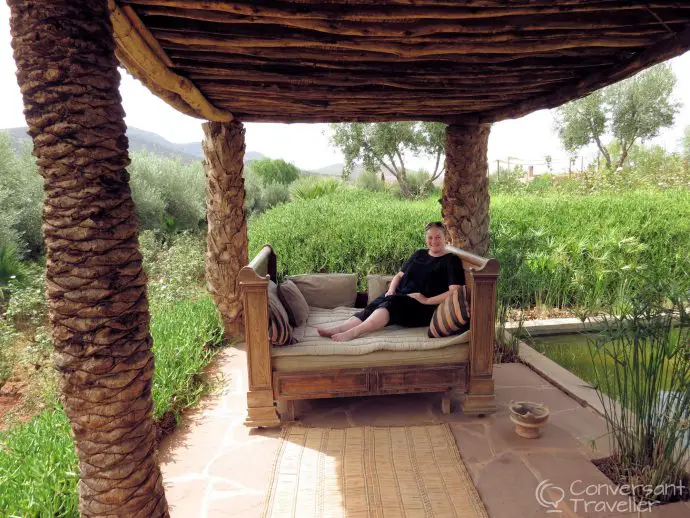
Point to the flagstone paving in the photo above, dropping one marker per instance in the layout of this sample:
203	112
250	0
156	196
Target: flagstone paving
213	466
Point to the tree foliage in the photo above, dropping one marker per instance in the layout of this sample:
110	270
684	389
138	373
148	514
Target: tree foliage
274	171
383	146
631	110
686	143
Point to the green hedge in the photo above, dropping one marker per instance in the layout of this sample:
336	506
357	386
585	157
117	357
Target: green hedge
554	249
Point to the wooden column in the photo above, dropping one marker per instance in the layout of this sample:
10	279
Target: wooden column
465	199
96	287
227	227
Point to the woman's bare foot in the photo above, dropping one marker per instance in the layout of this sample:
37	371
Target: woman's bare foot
326	332
344	337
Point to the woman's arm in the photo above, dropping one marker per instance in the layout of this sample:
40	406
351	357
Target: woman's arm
394	283
436	300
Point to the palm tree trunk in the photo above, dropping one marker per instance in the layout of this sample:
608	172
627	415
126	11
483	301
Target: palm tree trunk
227	228
96	288
465	199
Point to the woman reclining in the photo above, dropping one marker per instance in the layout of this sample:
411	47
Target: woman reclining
425	280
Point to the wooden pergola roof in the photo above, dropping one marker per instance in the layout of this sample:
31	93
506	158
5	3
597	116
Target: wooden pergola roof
376	60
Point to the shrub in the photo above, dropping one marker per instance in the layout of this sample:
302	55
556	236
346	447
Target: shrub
275	194
311	187
253	192
274	171
169	194
370	180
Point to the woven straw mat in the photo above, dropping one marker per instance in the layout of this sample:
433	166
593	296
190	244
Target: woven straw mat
370	472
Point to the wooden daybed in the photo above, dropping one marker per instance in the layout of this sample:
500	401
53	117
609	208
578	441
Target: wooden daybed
275	383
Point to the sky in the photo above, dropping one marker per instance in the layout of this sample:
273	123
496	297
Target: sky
526	140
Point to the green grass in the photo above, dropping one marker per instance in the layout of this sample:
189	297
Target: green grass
185	334
38	464
38	468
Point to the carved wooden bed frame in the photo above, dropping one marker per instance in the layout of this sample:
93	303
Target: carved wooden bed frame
269	387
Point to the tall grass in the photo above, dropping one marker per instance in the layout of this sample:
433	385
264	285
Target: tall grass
643	360
185	335
555	249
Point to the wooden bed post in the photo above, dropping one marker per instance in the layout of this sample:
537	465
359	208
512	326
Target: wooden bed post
261	411
226	250
480	398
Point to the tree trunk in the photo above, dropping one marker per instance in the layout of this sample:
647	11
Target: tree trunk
465	199
96	288
227	228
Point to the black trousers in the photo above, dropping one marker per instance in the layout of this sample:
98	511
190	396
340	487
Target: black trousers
403	310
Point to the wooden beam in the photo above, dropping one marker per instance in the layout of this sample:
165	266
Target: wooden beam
152	70
146	34
375	12
402	50
159	17
526	65
667	49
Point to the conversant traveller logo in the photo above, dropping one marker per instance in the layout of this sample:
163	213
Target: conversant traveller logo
582	497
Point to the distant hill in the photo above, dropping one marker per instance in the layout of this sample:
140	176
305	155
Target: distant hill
140	140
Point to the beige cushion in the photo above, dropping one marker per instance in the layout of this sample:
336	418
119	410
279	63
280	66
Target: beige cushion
458	353
377	285
327	290
294	302
391	338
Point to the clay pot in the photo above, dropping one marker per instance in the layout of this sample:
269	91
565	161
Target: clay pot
529	418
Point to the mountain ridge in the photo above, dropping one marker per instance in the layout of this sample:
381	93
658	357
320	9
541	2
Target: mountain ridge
141	140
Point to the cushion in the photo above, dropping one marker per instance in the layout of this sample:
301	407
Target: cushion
327	290
452	316
279	330
377	285
294	303
393	338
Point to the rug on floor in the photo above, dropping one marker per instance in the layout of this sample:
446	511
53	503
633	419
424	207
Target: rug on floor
370	472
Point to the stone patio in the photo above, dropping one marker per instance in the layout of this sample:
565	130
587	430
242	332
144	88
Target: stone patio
214	466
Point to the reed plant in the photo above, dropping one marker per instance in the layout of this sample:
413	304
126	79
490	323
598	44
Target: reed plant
642	359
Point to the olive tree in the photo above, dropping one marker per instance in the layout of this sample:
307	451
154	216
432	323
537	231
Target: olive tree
383	146
631	110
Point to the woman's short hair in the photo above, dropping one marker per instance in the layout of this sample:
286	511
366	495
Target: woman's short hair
435	224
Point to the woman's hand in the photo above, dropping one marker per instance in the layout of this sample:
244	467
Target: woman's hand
418	297
390	292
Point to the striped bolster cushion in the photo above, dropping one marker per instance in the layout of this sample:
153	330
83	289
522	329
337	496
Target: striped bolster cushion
279	330
452	316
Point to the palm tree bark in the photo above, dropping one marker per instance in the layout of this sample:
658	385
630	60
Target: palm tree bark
465	198
227	228
96	288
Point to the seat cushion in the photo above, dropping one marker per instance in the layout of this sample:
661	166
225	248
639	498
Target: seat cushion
327	290
391	338
294	303
377	285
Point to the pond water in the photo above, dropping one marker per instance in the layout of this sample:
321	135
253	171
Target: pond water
570	351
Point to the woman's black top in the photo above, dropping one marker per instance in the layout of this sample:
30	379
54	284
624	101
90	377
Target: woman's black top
430	275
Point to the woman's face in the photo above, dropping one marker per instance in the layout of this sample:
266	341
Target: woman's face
435	240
